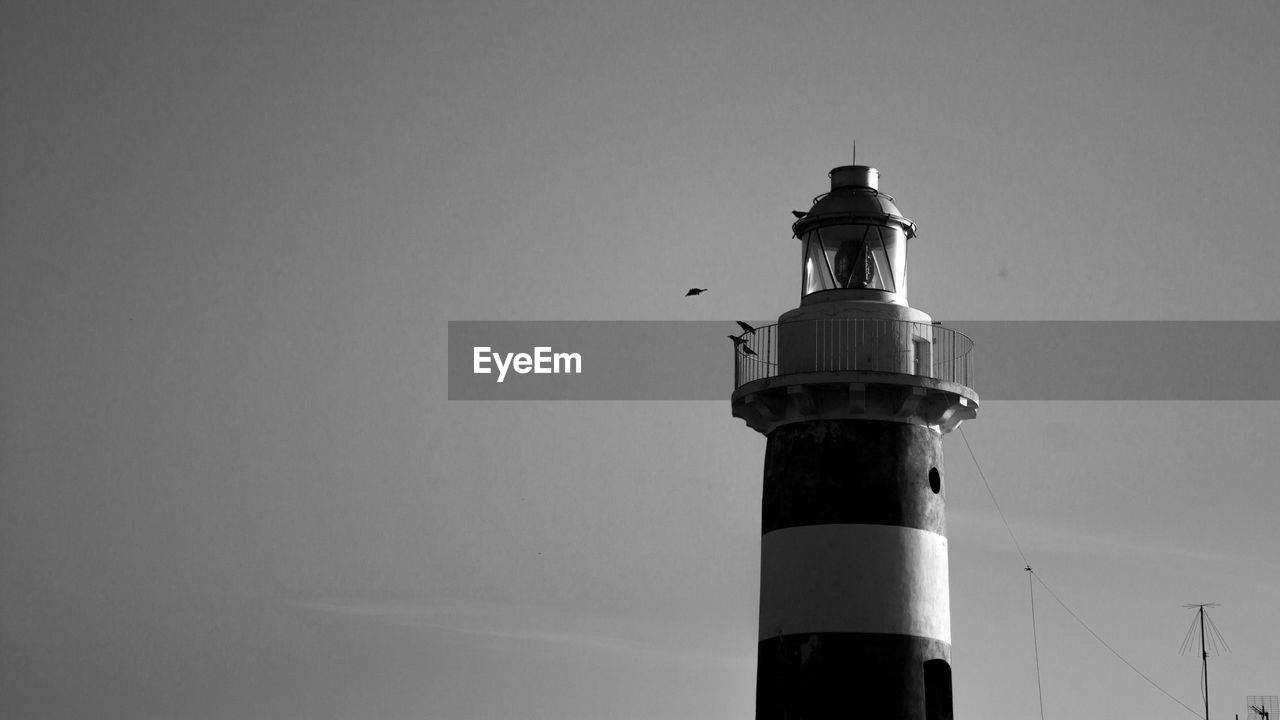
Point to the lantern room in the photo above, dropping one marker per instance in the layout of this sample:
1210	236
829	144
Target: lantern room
854	241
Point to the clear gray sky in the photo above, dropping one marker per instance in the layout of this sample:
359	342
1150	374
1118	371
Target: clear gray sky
232	234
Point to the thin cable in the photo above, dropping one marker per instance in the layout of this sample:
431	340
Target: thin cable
1035	640
983	475
1189	639
1105	645
1054	595
1204	689
1215	633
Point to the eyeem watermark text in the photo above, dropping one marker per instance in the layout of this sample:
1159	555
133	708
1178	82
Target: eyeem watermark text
542	362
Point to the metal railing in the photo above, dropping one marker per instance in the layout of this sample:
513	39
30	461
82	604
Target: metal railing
854	344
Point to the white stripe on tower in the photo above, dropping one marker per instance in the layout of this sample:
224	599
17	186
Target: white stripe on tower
854	578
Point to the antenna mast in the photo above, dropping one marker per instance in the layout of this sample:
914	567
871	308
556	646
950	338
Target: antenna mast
1261	706
1215	639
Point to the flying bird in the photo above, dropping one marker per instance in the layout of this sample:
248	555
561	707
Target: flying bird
695	291
737	339
746	329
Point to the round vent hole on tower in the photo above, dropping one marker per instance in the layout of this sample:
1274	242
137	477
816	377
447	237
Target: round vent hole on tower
935	481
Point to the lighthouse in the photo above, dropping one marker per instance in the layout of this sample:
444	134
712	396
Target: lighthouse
854	390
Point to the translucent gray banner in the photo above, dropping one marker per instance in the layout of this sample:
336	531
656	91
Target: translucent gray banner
1011	360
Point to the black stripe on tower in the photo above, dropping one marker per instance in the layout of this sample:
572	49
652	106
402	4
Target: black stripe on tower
861	472
822	676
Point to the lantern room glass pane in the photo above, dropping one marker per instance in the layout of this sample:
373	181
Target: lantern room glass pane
894	242
855	256
817	273
880	271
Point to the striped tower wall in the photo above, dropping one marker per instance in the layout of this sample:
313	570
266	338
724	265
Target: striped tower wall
854	608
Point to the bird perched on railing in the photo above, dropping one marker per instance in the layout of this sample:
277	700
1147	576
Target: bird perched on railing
737	339
695	291
747	351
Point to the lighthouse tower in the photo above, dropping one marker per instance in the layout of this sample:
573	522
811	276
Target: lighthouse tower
854	390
